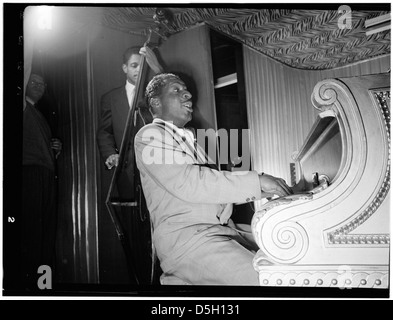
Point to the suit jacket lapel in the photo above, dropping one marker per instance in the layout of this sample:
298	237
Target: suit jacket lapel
121	103
195	150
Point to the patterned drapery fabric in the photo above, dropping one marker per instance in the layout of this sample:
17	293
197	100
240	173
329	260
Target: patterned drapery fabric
299	38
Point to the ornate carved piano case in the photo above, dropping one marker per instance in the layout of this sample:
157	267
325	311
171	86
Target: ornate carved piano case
334	232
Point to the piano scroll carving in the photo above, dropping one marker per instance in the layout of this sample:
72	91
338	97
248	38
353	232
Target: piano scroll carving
339	215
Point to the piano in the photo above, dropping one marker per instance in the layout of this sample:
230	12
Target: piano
334	231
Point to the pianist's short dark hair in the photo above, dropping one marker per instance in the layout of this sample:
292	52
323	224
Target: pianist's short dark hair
154	87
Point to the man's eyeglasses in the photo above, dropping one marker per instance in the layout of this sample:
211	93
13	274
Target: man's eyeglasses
38	84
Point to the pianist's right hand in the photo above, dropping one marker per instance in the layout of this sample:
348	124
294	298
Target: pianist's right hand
274	186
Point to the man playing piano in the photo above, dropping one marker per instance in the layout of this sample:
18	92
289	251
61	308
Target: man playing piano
191	204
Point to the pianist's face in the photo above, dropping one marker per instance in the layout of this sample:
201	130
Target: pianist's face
175	103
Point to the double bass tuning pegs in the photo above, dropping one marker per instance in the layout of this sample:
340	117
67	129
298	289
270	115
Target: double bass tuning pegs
163	19
162	16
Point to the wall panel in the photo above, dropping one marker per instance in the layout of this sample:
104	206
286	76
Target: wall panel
188	54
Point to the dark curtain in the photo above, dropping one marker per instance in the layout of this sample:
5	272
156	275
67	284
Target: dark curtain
67	69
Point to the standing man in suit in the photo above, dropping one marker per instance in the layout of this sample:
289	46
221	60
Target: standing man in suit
190	203
115	106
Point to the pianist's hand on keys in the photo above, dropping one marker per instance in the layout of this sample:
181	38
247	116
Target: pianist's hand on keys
274	186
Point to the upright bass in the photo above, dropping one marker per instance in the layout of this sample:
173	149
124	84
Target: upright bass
129	214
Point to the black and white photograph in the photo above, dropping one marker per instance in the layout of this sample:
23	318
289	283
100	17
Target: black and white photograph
192	150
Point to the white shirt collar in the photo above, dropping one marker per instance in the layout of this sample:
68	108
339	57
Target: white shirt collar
130	91
129	85
181	131
169	123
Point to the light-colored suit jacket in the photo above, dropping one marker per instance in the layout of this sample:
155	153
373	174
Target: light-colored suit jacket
186	200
